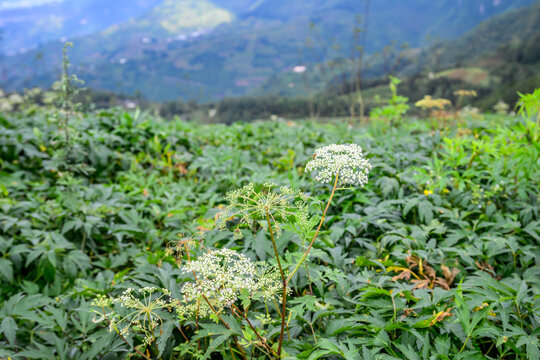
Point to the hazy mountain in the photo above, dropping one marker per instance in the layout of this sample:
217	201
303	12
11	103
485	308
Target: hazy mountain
210	49
512	26
28	23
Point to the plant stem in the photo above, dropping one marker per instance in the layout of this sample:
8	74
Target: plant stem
284	280
316	232
83	240
263	341
471	160
275	246
465	343
66	123
309	279
182	332
537	126
123	338
230	348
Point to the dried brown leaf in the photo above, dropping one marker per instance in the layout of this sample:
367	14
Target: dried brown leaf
442	283
484	266
441	316
450	276
202	228
404	275
429	271
407	312
412	261
182	169
421	284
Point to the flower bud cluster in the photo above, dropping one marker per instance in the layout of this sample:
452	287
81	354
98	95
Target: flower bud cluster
346	161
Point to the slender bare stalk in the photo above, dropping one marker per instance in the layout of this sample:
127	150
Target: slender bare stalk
309	279
316	232
182	332
284	280
231	349
270	230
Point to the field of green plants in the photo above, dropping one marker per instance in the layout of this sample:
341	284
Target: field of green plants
122	234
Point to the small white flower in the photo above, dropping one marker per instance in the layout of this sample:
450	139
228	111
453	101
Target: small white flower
221	276
346	161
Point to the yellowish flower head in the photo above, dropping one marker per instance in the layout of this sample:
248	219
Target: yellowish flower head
465	93
429	103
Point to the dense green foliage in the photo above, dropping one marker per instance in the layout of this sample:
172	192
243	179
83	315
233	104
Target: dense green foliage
436	258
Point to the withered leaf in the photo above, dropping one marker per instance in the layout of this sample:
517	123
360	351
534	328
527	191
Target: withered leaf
404	275
441	316
421	284
450	276
442	283
429	271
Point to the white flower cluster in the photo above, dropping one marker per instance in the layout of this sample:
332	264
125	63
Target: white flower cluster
347	161
221	276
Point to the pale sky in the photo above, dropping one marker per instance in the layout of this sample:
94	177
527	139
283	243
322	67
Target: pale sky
16	4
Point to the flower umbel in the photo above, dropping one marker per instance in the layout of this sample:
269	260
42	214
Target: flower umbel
464	93
346	160
430	103
142	307
221	276
253	202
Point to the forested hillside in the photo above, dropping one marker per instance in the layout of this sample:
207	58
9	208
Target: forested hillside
206	50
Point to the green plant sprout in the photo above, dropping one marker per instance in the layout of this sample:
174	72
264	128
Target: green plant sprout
529	107
66	89
397	105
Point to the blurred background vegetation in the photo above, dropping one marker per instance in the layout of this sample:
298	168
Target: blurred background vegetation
223	61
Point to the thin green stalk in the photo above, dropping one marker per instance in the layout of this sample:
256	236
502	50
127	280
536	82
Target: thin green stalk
231	349
284	280
83	241
309	278
316	232
471	160
537	126
150	325
275	246
465	343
